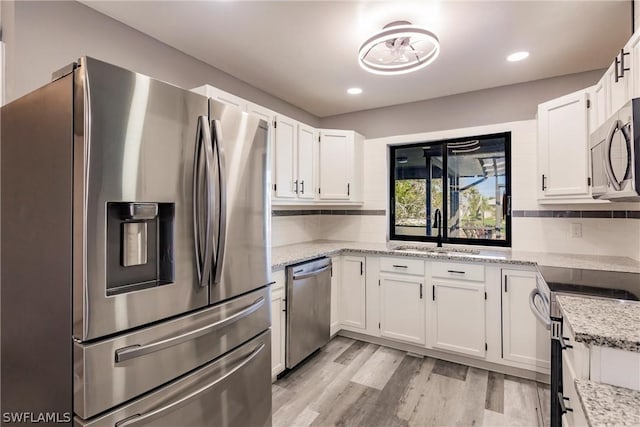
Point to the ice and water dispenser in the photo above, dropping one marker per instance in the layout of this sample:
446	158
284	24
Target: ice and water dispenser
139	246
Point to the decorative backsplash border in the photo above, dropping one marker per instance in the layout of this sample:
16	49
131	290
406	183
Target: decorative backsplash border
516	213
575	214
292	212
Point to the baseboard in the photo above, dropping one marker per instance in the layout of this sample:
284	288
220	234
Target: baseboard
436	354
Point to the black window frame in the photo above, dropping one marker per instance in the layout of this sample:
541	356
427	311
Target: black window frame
445	196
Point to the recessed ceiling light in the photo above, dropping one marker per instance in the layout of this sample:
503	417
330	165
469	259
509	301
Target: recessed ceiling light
354	91
518	56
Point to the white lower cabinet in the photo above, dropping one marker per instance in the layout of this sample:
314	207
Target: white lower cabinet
353	293
336	264
278	324
458	317
524	339
402	308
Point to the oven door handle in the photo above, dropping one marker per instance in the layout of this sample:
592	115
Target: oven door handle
545	320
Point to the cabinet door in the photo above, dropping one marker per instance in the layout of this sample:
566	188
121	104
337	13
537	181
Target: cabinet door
336	164
335	296
620	90
306	141
600	106
402	308
353	293
284	152
633	47
562	135
277	332
524	339
269	117
458	317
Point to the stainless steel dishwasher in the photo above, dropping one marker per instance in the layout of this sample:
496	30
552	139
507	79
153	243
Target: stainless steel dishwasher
308	309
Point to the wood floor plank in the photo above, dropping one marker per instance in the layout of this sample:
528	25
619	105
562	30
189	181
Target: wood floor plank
439	402
379	368
350	353
279	396
357	412
495	392
521	401
471	409
325	401
342	409
415	390
544	398
385	410
451	369
305	418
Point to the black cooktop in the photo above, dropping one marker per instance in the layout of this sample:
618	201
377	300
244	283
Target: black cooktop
606	284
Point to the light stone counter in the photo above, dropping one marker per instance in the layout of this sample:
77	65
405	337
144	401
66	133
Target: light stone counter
603	322
292	254
608	405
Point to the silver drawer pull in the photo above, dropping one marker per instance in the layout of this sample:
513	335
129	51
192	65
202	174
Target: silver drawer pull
137	350
456	271
141	419
400	266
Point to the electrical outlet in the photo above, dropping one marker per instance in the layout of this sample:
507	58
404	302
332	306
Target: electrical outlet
576	229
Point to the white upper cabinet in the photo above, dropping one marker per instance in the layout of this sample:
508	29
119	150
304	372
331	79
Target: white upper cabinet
563	148
599	109
306	165
284	156
341	158
294	160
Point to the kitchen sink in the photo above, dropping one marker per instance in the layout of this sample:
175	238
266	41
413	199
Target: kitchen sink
435	250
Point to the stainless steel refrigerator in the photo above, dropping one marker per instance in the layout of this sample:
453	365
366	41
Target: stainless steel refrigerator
134	266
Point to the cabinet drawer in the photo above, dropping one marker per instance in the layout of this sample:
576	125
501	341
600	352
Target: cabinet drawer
459	271
402	265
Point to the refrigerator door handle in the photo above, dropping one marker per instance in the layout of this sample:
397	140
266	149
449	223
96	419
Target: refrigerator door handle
216	131
131	352
203	143
143	419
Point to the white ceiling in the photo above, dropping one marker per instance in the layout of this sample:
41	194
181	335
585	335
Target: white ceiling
306	52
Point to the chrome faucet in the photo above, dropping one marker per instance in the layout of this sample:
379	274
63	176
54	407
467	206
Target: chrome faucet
437	223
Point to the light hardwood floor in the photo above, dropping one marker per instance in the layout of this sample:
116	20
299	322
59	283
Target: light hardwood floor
352	383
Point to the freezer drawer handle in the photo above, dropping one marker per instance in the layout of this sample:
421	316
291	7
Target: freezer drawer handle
131	352
142	419
311	273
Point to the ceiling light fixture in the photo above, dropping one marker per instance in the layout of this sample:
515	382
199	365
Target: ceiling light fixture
398	49
354	91
518	56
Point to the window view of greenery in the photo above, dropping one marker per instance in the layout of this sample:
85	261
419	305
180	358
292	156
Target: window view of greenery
475	184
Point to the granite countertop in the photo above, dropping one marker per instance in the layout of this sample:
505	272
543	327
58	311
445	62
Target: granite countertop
292	254
608	405
603	322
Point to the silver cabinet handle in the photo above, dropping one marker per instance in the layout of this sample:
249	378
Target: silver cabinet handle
222	205
456	271
131	352
149	416
399	266
563	408
203	143
302	184
311	274
546	321
295	186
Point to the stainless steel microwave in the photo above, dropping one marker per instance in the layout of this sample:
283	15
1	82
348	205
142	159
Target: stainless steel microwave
615	156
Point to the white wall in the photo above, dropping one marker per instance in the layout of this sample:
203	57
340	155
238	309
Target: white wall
44	36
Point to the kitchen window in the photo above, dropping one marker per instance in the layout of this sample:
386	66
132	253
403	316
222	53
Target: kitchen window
473	195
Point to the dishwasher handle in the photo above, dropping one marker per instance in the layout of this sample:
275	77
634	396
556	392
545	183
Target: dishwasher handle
311	273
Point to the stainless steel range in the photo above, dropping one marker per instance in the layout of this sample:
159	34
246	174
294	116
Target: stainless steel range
581	282
135	270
